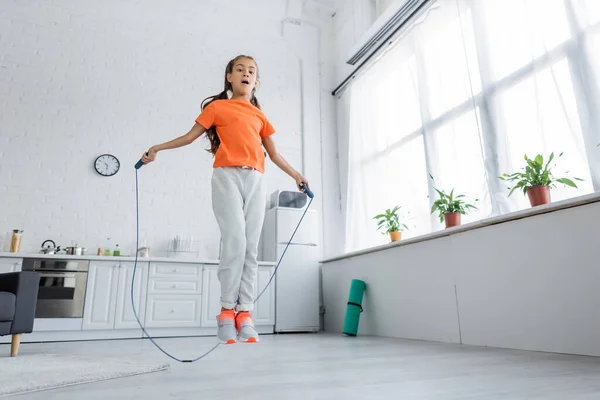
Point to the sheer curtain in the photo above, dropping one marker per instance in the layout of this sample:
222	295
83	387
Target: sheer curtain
463	95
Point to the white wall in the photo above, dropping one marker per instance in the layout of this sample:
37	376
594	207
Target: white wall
529	283
78	79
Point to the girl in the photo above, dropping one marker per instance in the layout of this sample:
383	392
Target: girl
237	130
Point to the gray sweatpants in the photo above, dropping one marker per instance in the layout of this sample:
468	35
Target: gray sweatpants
238	198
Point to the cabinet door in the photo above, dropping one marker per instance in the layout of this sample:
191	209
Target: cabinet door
173	311
211	289
176	270
264	309
125	317
101	295
10	265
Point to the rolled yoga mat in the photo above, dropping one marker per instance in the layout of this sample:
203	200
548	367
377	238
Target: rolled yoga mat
354	307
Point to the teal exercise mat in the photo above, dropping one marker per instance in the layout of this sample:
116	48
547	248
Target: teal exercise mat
354	307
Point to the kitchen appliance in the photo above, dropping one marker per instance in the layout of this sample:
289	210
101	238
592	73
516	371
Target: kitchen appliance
297	281
48	249
76	251
62	287
54	249
288	198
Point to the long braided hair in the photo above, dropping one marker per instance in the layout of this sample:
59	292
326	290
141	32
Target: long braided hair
211	133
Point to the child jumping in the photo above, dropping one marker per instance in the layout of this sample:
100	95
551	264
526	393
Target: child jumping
237	130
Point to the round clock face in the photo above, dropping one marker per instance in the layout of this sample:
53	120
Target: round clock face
107	165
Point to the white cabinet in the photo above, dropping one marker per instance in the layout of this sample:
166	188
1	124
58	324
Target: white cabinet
211	306
101	295
171	298
174	295
124	315
175	279
108	295
169	311
264	309
10	265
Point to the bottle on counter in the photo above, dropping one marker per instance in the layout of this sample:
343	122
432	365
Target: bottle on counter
15	243
107	248
144	251
117	251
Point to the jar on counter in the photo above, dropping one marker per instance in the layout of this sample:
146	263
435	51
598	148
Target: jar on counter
15	243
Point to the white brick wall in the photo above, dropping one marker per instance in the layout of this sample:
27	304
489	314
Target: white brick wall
82	78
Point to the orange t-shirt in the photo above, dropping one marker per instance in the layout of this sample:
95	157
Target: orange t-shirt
241	127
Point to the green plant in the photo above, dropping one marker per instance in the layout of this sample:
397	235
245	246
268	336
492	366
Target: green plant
536	173
448	203
389	221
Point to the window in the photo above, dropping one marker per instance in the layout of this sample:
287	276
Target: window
540	115
463	96
460	164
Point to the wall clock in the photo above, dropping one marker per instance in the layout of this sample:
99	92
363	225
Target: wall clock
107	165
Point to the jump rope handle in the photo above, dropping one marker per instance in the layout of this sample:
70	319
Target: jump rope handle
306	190
140	163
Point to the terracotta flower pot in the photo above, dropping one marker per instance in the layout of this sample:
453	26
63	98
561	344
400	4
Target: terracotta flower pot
395	236
538	195
452	219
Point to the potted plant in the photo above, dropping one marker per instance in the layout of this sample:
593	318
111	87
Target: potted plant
390	224
536	179
450	207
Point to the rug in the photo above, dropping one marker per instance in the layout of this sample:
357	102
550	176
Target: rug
34	372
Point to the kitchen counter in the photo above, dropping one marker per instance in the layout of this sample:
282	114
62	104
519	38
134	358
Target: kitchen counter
120	258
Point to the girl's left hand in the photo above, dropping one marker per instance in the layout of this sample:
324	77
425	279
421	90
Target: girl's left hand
300	179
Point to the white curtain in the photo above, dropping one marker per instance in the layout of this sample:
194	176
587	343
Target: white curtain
463	95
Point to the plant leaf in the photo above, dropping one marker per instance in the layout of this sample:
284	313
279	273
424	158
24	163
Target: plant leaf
567	181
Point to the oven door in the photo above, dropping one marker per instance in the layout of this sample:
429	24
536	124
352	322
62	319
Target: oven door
61	294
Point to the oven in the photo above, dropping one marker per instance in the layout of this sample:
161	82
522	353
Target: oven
61	292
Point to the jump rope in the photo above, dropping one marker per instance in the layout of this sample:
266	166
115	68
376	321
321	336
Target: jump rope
138	165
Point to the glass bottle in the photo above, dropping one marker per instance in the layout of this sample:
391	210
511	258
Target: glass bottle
15	243
107	248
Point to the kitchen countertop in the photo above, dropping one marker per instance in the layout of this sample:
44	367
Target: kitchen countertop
120	258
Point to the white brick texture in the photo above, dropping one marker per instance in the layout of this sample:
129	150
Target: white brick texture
83	78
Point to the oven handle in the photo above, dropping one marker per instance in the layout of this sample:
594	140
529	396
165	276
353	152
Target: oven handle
65	275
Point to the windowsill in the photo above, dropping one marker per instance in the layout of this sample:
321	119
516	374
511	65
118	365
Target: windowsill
547	208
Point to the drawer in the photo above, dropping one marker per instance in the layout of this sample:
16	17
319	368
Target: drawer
175	270
180	285
173	311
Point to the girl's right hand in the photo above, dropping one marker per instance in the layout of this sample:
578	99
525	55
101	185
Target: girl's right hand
149	156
